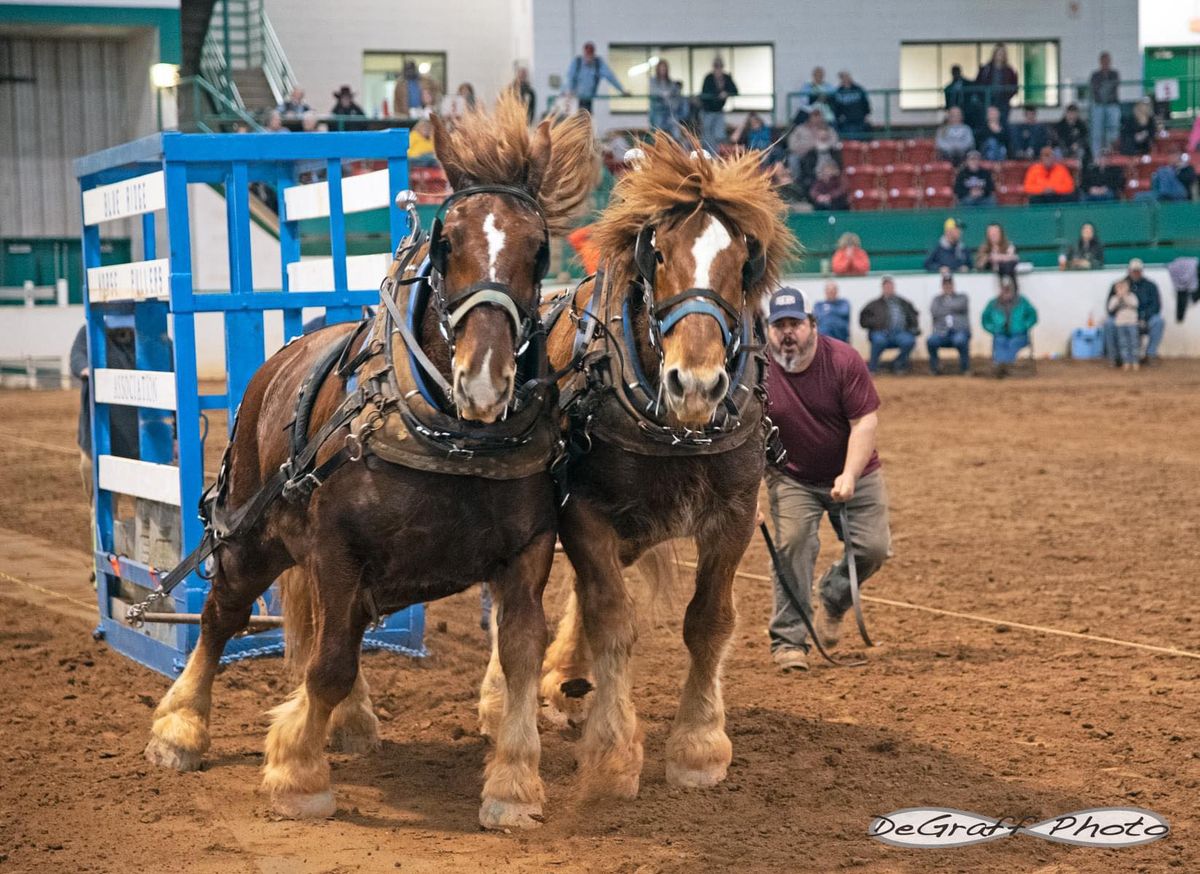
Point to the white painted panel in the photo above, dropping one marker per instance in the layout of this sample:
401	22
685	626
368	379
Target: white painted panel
368	191
153	389
134	196
127	476
316	274
139	280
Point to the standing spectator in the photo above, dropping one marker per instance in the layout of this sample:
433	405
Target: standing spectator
407	100
1027	139
891	323
1049	181
1101	180
1088	251
829	190
1150	320
1070	134
851	108
964	95
996	254
992	138
1106	106
951	326
1139	130
294	105
850	258
833	314
949	253
666	100
753	133
585	74
825	405
1009	318
717	88
1123	310
345	104
998	80
817	95
526	93
953	139
974	185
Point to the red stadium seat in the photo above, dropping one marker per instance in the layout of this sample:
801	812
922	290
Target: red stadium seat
904	198
863	176
901	175
1012	173
938	174
938	197
855	152
1007	195
884	152
870	198
1171	141
1135	186
919	152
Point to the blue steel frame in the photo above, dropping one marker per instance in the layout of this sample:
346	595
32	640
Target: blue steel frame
234	161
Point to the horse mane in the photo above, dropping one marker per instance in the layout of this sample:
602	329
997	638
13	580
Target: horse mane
667	180
483	148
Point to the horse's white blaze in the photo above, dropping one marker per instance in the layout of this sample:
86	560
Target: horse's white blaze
478	386
708	245
495	241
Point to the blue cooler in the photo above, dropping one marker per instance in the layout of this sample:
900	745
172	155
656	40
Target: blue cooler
1087	343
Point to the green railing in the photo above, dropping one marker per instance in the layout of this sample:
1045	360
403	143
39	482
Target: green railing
212	111
768	113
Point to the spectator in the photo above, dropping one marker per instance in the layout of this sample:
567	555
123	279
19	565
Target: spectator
1101	180
309	169
406	96
1088	251
122	420
829	190
999	81
787	188
891	323
817	96
1171	183
1139	130
753	133
953	139
974	185
850	259
810	145
526	93
666	101
455	107
1193	143
717	88
951	326
851	108
1150	320
420	145
992	138
1049	181
585	74
294	105
345	104
1123	310
1026	140
1009	319
949	253
1070	134
1106	106
833	314
996	254
964	95
275	123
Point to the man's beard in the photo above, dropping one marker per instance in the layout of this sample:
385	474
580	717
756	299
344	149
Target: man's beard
791	355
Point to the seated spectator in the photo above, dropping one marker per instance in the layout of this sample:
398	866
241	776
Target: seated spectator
1171	183
1049	180
949	253
891	323
1026	140
974	185
850	259
1150	320
1088	251
851	108
1123	310
294	105
996	254
275	123
1008	318
992	138
833	314
814	136
816	96
420	145
1139	129
953	139
1101	180
829	190
345	104
455	106
753	133
951	326
1070	135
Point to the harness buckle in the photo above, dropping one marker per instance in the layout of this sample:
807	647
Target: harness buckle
459	452
355	447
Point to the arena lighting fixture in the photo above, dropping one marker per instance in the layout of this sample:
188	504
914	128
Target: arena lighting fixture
424	67
639	69
164	75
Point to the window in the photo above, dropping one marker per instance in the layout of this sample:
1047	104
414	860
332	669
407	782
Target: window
925	70
382	69
752	68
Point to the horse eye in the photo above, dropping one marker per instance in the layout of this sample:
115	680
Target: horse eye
659	257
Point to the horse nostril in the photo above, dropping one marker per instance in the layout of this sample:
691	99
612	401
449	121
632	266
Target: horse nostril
675	383
717	389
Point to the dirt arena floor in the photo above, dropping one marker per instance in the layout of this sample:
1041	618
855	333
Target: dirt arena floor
1065	501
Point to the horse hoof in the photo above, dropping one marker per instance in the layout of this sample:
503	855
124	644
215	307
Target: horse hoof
299	805
354	743
695	778
496	814
166	755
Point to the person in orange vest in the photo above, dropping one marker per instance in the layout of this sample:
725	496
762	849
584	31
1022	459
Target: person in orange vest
588	252
1049	180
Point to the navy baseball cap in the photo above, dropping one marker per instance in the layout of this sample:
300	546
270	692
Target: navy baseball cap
787	303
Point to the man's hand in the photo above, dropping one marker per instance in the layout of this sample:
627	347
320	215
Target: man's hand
843	487
83	374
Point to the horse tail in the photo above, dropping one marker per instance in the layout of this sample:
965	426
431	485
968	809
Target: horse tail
663	593
299	620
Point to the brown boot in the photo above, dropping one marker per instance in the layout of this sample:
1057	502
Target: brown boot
828	629
790	660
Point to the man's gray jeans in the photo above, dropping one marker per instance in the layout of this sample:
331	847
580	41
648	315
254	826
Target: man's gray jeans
796	511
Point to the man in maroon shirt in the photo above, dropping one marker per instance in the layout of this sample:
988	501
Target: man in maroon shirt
821	397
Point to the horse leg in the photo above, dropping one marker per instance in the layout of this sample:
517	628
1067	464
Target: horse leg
698	750
567	659
610	754
179	736
512	789
491	692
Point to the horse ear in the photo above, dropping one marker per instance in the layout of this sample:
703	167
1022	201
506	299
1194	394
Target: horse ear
539	158
443	147
645	256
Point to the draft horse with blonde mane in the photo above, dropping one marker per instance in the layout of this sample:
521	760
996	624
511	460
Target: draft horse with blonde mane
416	464
668	432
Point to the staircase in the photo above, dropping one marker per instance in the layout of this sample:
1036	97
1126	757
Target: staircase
255	90
241	57
194	18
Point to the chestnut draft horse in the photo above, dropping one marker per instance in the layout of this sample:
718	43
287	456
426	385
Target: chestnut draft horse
376	536
667	429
